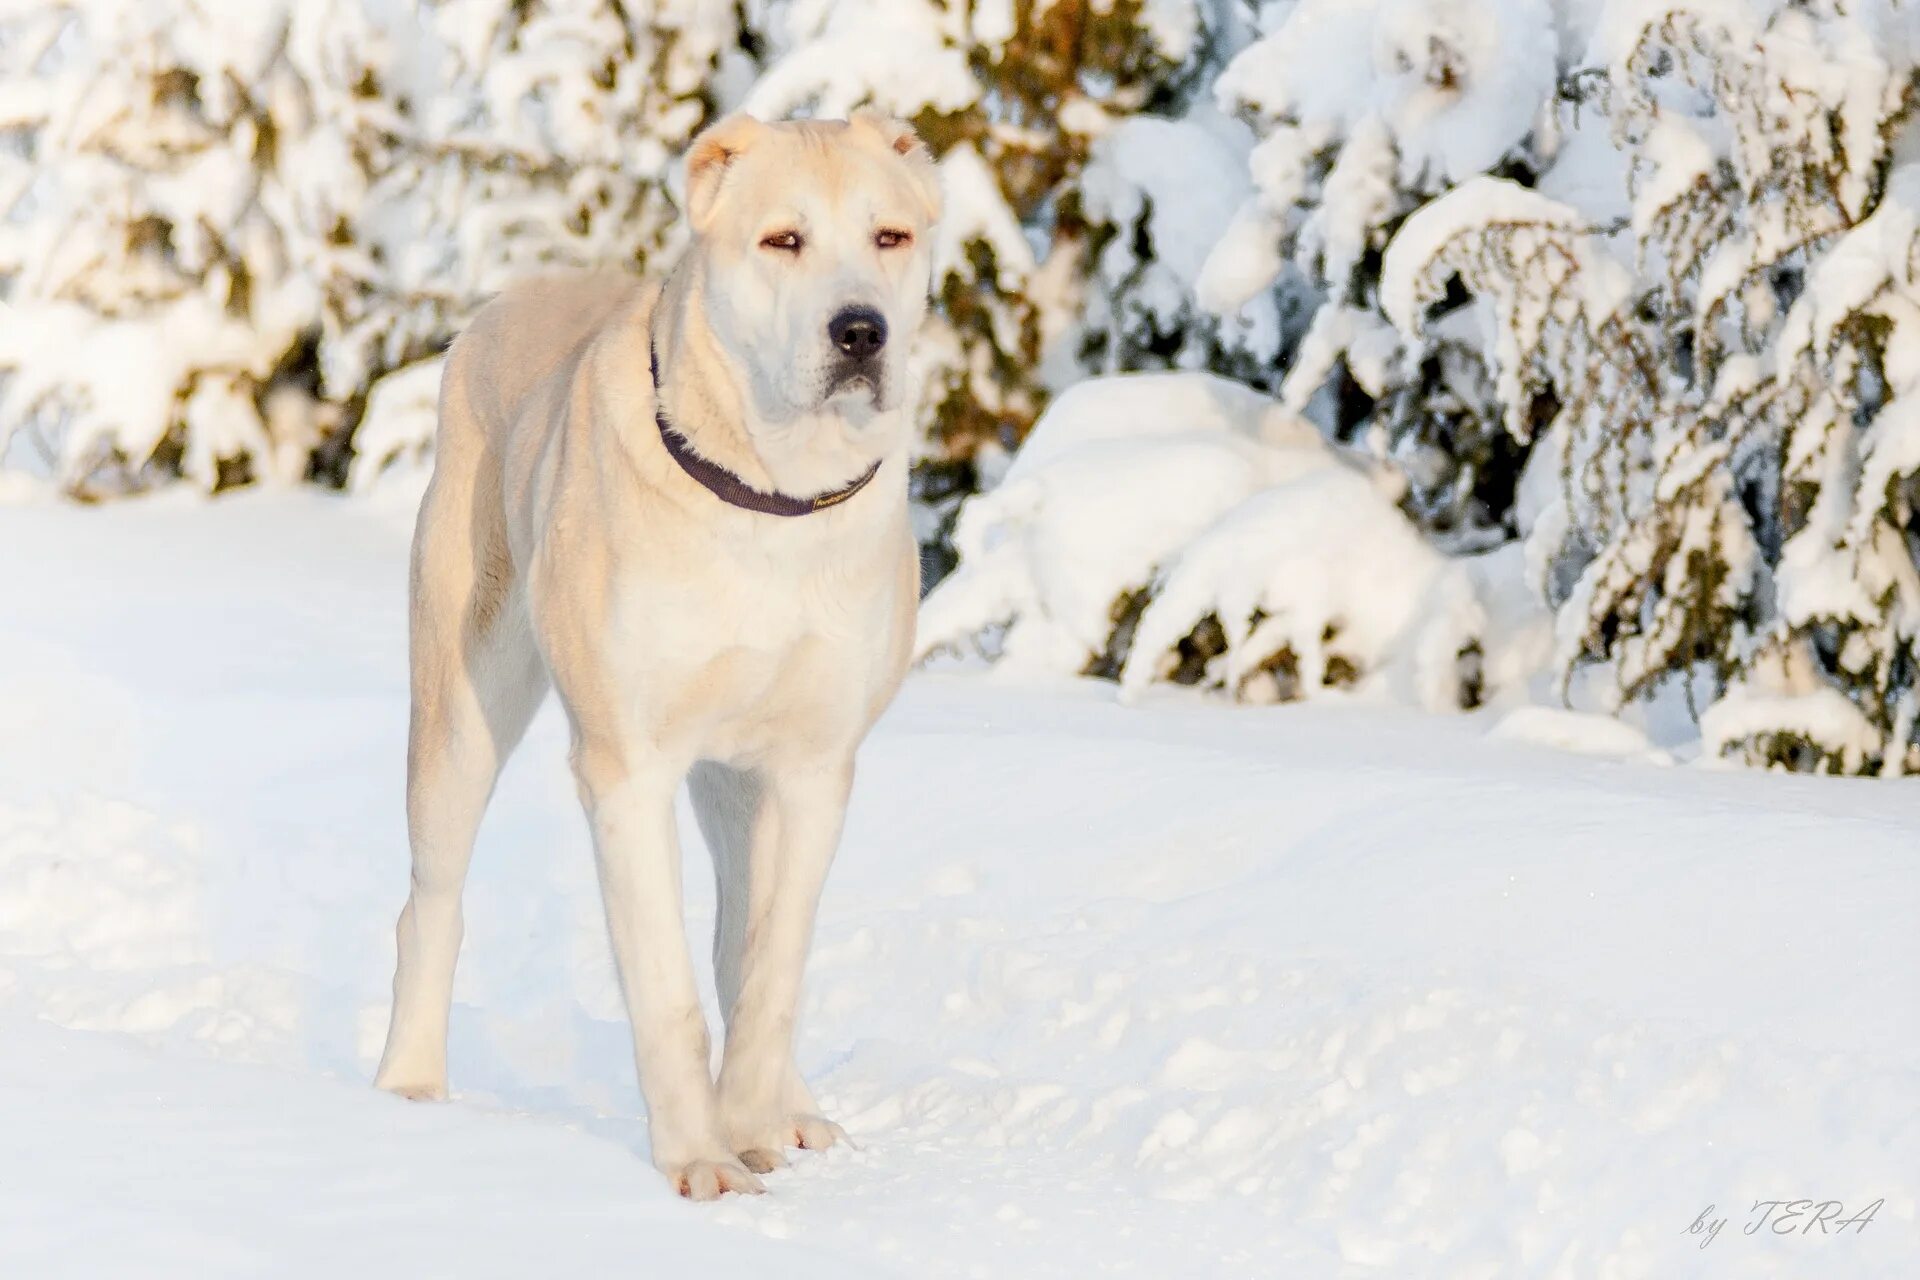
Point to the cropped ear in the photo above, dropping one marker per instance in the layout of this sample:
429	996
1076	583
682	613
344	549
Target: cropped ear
898	137
707	162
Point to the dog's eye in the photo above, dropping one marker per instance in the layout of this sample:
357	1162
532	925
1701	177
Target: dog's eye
889	238
789	241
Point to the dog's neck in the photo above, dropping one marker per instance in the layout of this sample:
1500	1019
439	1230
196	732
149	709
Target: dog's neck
699	395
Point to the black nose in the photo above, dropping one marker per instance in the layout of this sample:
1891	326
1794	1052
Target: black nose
858	331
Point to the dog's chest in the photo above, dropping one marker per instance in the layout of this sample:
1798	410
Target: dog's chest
737	665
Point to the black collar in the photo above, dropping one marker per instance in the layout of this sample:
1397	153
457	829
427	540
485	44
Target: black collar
730	488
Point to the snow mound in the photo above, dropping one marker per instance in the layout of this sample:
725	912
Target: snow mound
1581	732
1749	722
105	926
1130	406
102	884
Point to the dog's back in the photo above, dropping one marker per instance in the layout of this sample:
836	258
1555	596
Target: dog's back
516	342
524	343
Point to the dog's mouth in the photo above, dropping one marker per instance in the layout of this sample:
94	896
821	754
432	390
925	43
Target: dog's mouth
854	384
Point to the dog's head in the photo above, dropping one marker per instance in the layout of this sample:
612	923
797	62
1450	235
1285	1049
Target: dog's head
814	239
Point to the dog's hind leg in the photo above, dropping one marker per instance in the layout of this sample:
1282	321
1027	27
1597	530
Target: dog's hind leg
477	680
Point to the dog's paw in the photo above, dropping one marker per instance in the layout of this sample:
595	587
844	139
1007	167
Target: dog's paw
761	1146
762	1159
711	1179
414	1090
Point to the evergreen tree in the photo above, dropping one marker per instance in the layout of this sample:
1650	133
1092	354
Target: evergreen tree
155	325
1366	110
1734	408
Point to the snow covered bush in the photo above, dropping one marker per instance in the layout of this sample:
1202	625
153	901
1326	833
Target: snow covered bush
1316	583
1366	109
1179	527
1734	370
146	282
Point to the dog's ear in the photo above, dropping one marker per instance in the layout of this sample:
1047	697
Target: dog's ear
708	160
898	137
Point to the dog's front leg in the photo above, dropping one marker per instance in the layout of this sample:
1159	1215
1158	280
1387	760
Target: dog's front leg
764	1104
629	804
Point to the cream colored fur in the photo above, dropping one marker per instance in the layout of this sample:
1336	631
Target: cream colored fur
560	545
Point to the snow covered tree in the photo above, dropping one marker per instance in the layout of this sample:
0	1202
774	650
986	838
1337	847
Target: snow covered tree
146	283
224	225
1366	109
476	141
1734	389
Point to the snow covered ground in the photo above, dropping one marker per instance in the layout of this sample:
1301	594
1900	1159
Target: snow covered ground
1176	989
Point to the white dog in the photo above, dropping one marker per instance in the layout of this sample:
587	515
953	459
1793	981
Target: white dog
685	507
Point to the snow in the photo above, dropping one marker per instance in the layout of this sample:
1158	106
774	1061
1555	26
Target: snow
56	355
1191	173
1174	26
1170	191
892	54
1360	197
1143	404
136	251
1580	731
1464	80
1517	638
1316	64
1049	552
159	1165
1456	83
1171	989
1244	260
